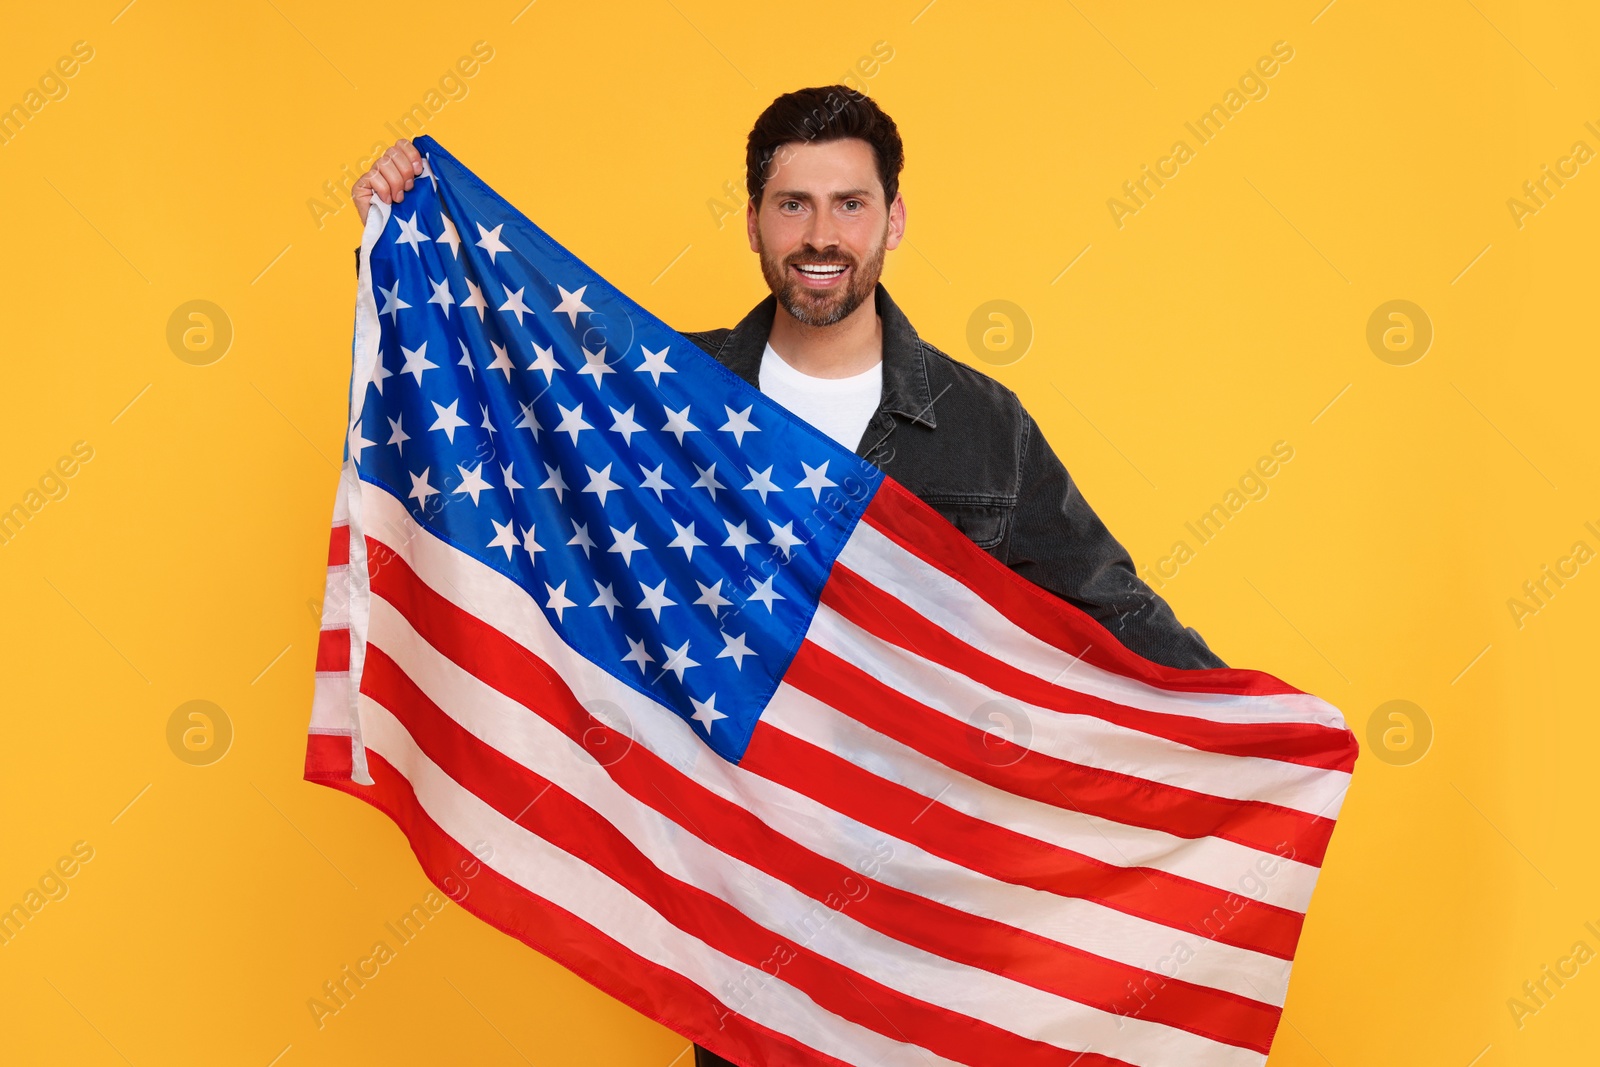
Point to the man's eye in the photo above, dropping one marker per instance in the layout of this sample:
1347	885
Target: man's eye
791	205
852	205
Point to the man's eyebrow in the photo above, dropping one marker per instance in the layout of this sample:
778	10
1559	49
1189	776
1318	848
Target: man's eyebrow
798	194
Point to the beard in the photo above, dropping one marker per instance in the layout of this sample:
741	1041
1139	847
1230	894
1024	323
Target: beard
821	307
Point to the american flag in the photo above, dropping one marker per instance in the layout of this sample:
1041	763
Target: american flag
663	682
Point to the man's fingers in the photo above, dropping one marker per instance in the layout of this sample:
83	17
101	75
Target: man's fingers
398	182
412	156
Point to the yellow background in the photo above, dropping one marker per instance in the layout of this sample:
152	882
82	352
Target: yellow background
186	559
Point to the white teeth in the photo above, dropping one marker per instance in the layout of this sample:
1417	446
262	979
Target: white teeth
819	272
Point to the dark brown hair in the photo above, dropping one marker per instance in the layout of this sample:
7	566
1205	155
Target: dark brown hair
824	113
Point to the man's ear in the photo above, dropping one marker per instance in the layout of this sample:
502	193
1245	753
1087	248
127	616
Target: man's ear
897	222
751	214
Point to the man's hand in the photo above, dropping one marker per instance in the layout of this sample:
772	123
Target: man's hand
394	172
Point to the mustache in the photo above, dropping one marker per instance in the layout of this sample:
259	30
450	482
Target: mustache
819	258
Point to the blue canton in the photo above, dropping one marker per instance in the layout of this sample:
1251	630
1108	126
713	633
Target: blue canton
674	525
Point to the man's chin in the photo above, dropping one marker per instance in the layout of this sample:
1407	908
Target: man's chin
818	309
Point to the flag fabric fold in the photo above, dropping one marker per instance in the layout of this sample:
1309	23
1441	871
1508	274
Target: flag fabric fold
660	680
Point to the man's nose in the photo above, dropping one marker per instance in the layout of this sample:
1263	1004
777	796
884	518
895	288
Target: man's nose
822	234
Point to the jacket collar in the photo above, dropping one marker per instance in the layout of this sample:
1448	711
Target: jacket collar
905	370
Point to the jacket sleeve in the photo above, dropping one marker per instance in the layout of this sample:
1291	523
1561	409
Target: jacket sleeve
1057	542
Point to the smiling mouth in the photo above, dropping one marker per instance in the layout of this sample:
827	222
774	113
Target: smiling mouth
821	272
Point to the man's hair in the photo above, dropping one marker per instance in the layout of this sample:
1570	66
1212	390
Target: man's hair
824	113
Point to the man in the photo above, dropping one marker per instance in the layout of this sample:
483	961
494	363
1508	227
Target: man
823	174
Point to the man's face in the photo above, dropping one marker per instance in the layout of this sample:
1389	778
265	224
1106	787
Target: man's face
822	228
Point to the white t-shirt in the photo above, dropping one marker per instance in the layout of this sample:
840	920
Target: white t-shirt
839	407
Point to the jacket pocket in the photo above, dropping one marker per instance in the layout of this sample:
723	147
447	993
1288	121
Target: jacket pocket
984	524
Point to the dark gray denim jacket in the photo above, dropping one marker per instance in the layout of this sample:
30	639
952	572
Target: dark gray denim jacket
964	444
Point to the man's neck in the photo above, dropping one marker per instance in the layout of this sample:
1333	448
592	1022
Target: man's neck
849	347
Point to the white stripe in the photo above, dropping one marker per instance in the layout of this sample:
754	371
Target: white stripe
500	603
567	882
508	727
1082	739
932	593
1211	861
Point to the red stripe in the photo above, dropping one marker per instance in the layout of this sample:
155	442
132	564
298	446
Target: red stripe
890	619
546	809
1122	798
339	545
333	650
934	927
1008	856
917	528
328	756
655	991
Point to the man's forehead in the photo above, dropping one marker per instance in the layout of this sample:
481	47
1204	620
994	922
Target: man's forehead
843	165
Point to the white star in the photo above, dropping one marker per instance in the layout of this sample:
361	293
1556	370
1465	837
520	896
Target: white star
417	361
448	420
678	659
678	423
581	538
466	361
595	365
392	304
512	485
626	543
572	303
441	295
816	479
624	424
553	480
486	424
420	489
558	601
600	482
502	360
379	373
739	423
686	539
739	537
572	421
711	596
475	300
528	420
637	654
706	712
427	171
473	485
653	478
765	593
410	234
530	546
358	443
708	480
514	303
546	362
504	537
762	483
737	650
655	364
397	435
449	236
605	598
783	537
656	598
489	241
